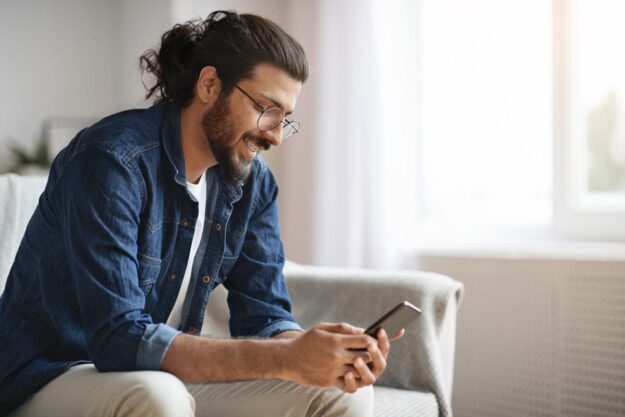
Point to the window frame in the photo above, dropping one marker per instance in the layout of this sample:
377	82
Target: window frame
575	215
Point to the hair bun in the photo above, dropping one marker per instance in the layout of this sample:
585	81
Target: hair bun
173	57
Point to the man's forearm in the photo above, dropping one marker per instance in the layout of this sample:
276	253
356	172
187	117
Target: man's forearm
199	360
320	357
290	334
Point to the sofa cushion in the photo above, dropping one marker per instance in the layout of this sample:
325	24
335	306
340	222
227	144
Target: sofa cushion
403	403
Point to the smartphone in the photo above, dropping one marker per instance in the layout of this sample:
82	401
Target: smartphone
395	320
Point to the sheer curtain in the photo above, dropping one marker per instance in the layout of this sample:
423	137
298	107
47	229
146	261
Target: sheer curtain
350	187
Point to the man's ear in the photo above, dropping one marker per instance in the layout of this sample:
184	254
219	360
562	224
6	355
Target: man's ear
208	86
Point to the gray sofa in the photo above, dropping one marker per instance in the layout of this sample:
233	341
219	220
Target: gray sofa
418	379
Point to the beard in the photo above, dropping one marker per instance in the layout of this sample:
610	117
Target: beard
222	141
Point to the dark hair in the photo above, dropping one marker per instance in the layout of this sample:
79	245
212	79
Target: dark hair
232	43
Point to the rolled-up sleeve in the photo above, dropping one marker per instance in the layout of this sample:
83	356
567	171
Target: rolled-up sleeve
100	201
154	344
277	327
258	297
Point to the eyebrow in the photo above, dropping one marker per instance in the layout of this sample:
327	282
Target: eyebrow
275	103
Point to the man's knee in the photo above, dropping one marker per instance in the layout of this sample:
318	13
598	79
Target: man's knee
158	394
338	403
360	403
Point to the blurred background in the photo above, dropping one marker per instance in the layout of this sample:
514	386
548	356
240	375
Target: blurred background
481	139
425	124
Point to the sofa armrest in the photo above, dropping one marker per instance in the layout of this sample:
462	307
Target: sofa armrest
424	358
18	199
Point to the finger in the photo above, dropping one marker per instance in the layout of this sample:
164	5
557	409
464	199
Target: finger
398	335
360	341
348	368
383	342
349	356
366	376
353	370
340	382
378	365
353	355
343	328
350	383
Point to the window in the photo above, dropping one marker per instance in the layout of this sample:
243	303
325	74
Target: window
486	114
522	118
600	102
590	119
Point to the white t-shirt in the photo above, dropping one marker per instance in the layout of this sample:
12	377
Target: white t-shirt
199	192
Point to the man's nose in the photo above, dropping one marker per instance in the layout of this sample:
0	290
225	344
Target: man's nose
274	136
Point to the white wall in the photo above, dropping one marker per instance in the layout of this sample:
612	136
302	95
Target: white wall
71	58
138	26
183	10
57	60
297	161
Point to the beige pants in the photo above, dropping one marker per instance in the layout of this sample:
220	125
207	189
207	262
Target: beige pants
84	392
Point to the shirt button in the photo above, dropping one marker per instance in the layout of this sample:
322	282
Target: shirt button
206	279
172	277
218	227
184	223
192	330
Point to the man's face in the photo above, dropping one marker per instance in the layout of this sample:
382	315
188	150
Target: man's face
231	126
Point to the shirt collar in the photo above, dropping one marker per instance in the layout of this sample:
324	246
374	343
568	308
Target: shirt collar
171	141
233	192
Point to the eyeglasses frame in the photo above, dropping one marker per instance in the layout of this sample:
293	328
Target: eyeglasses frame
285	122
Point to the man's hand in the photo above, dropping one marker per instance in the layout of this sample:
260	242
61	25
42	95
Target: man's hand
325	353
368	373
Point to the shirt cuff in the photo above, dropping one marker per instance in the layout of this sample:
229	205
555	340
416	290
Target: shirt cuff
154	343
278	327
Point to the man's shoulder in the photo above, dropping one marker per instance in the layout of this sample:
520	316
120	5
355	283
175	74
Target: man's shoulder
128	132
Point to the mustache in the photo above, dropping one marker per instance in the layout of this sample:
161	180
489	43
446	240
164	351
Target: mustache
260	143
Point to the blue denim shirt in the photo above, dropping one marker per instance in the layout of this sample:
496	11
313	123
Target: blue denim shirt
100	265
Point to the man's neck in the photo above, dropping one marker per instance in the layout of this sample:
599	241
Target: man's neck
197	154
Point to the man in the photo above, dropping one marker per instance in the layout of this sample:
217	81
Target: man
144	213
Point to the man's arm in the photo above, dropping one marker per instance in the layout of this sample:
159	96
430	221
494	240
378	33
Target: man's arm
196	359
318	357
98	203
260	306
287	335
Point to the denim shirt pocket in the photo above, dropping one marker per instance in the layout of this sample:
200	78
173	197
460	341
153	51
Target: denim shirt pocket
149	268
233	243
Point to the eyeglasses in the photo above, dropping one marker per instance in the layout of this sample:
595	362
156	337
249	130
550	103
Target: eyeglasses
271	117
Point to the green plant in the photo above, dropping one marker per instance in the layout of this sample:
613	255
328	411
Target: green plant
38	156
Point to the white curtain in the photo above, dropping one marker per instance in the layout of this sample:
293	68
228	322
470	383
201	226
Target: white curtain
350	185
